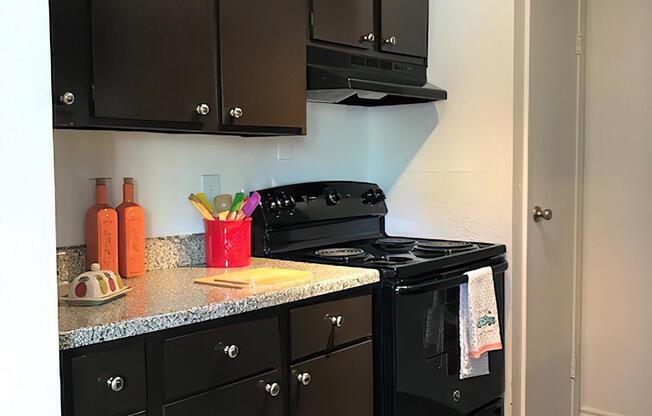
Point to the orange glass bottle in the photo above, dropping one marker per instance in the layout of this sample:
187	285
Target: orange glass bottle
131	233
102	231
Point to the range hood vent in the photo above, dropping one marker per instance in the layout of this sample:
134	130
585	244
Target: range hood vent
342	78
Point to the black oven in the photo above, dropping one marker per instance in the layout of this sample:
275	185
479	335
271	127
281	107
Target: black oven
419	341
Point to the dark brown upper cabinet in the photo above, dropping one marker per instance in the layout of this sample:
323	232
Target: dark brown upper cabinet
393	26
404	27
263	61
153	60
346	22
199	66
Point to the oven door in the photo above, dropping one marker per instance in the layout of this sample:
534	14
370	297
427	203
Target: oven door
427	350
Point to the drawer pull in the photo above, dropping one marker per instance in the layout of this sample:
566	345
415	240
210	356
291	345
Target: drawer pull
337	321
231	351
304	378
273	389
116	383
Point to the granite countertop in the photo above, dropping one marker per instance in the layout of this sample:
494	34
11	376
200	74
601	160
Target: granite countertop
169	298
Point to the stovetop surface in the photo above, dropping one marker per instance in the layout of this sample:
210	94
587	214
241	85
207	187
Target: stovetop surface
401	257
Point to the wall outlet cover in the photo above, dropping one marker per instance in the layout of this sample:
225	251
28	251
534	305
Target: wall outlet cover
285	151
210	185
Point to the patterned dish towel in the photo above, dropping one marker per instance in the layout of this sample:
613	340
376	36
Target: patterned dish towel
479	326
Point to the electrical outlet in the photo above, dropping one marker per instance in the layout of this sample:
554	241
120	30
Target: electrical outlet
210	185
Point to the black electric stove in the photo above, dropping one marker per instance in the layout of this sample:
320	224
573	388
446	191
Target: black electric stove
416	304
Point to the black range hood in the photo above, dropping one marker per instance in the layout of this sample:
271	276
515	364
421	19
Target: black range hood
343	77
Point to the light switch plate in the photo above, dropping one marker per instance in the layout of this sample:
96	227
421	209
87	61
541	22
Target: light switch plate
210	185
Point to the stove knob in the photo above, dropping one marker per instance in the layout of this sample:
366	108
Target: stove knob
272	205
333	198
379	196
368	197
287	202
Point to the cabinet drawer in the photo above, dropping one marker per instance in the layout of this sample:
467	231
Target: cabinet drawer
110	382
207	359
251	397
326	325
336	384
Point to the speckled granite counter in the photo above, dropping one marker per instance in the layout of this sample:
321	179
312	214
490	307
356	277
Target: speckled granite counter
168	298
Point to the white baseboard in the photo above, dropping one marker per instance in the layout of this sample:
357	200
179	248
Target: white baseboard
588	411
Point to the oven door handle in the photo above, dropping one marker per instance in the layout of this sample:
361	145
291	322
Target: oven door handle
443	283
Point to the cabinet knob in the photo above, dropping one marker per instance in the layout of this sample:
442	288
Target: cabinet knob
116	383
231	351
236	112
273	389
203	109
369	37
457	395
67	98
304	378
391	40
337	321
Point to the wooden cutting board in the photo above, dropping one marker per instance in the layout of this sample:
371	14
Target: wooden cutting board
266	277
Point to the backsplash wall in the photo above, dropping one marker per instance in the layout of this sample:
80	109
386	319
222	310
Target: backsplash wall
167	167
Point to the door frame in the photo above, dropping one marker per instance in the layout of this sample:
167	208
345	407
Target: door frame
521	209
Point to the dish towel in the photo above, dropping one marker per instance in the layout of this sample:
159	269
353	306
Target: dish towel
479	327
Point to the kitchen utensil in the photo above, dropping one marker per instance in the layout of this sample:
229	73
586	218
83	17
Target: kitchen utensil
250	204
204	201
222	216
261	278
95	287
222	203
201	208
238	200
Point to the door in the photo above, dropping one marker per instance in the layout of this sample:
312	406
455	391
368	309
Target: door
154	60
552	184
347	22
426	350
404	27
338	384
256	396
263	65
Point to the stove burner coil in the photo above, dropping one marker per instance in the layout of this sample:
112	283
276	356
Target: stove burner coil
339	253
395	244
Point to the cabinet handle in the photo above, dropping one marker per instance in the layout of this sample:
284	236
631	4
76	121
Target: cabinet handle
203	109
236	112
231	351
369	37
67	98
337	321
116	383
391	40
273	389
304	378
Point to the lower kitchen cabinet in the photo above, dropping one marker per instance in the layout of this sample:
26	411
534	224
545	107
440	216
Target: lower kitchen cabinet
339	384
236	366
256	396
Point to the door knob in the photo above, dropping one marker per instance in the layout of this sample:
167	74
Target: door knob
231	351
391	40
116	384
336	321
541	214
273	389
68	98
203	109
304	378
236	112
369	37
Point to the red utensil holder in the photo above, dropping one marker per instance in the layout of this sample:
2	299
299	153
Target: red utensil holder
228	243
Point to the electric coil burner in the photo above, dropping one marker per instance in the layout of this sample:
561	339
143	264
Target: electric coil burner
416	334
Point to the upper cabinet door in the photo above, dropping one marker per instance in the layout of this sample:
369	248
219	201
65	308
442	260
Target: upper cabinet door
263	65
404	25
348	22
154	60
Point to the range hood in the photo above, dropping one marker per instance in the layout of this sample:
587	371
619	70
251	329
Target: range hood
342	77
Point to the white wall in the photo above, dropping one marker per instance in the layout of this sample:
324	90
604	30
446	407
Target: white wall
29	361
617	283
168	167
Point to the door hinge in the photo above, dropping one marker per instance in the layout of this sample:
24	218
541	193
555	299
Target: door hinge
312	19
578	44
573	368
93	92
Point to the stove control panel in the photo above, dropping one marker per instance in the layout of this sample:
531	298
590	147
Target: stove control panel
318	201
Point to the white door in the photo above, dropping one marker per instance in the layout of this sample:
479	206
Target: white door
551	128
